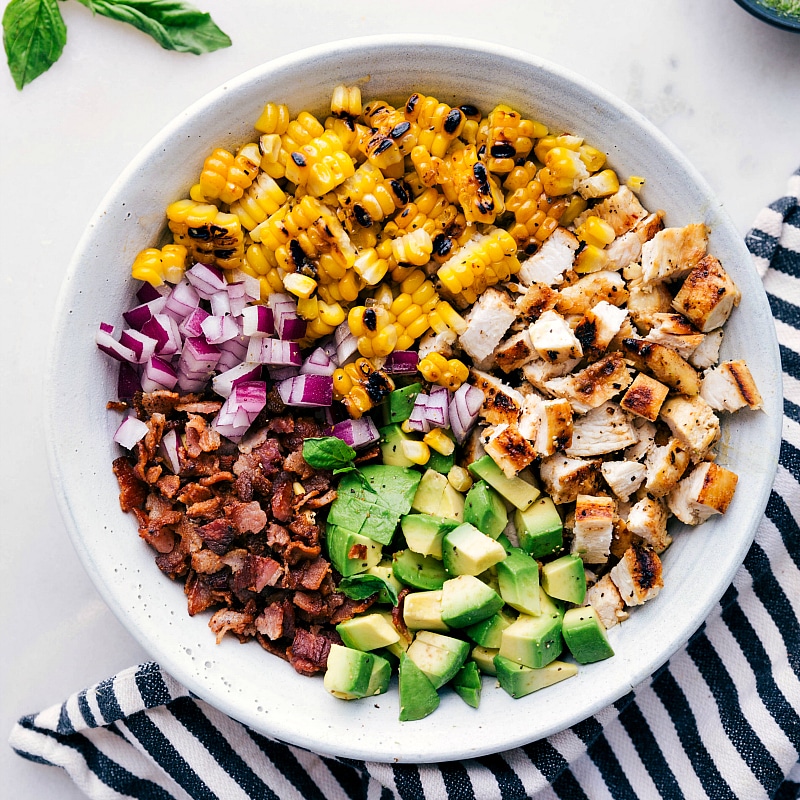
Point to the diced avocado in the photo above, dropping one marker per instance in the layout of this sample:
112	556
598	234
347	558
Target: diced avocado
418	698
452	504
424	533
380	677
484	658
467	600
540	529
384	571
485	509
418	571
438	656
488	632
565	579
391	444
518	491
402	644
519	680
351	553
518	579
422	611
535	641
367	632
467	684
585	635
441	463
436	496
348	673
467	551
401	403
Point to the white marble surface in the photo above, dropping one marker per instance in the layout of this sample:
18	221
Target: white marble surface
722	85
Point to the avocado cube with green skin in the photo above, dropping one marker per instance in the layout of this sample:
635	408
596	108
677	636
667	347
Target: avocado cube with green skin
519	680
348	673
467	551
380	676
424	533
351	553
441	463
467	684
484	658
520	492
535	641
485	509
539	529
384	571
367	632
585	635
518	578
401	403
418	698
438	656
418	571
391	444
422	611
467	600
565	579
489	632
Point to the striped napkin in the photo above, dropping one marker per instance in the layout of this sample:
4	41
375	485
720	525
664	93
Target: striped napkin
720	720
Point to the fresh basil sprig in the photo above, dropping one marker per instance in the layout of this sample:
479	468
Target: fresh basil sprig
330	452
34	33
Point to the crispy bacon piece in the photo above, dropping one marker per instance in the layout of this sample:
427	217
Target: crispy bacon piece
246	517
282	493
309	652
217	535
239	623
132	490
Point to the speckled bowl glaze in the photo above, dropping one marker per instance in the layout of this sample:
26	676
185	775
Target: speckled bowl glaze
244	681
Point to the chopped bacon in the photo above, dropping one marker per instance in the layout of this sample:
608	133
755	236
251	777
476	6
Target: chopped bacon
358	552
200	438
194	493
246	517
277	536
205	508
269	622
309	652
217	535
237	622
295	462
282	497
206	407
294	552
258	572
132	491
311	573
199	594
280	425
320	502
169	486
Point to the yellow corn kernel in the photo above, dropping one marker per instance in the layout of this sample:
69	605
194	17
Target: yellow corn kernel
346	101
225	176
595	231
635	183
413	248
451	317
264	197
601	184
592	157
274	119
269	146
590	258
432	367
331	314
157	266
428	168
439	441
385	341
547	143
210	236
320	165
299	285
459	478
342	383
470	185
415	451
576	205
390	138
371	267
405	426
307	307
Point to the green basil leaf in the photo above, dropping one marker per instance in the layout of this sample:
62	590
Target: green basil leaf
328	452
34	35
174	24
360	587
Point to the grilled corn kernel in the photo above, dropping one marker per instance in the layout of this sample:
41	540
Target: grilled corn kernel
439	124
595	231
391	136
371	267
459	478
299	285
319	165
468	183
346	101
590	258
225	176
157	266
415	451
507	137
635	183
413	248
601	184
264	197
439	441
274	119
210	236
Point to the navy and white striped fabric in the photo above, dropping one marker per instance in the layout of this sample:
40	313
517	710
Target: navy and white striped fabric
720	720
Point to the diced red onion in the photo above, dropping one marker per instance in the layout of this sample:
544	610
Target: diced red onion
288	325
137	316
252	286
165	330
130	431
258	321
436	407
242	406
158	374
237	298
198	359
220	303
191	325
148	292
328	344
274	352
464	407
318	363
401	362
143	346
128	382
346	343
105	338
169	450
418	420
206	280
307	391
190	383
241	373
357	433
217	330
181	300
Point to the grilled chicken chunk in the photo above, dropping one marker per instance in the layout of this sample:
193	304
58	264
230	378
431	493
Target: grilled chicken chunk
665	466
707	353
664	363
592	386
707	490
708	295
730	387
547	424
441	343
549	263
539	371
593	528
693	423
646	432
675	331
627	248
622	210
586	292
487	323
508	448
623	477
601	430
637	575
537	299
605	599
553	339
565	478
514	352
501	402
673	253
644	397
599	326
648	519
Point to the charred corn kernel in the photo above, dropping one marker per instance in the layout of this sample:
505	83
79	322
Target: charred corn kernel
157	266
299	285
590	258
391	136
429	168
274	119
360	386
350	134
414	248
547	143
635	183
443	372
459	478
592	157
576	205
264	197
415	451
439	124
346	101
225	176
269	146
450	317
507	137
601	184
371	267
469	184
298	132
210	236
595	231
368	197
439	441
319	165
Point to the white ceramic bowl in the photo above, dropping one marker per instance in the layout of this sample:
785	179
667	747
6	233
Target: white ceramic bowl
244	681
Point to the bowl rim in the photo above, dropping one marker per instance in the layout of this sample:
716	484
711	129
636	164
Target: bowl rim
768	15
176	666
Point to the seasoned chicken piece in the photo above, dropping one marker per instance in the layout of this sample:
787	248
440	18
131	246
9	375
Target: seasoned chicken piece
665	467
537	299
539	371
593	528
601	430
707	490
644	397
553	338
441	343
623	477
648	519
708	295
675	331
628	247
514	352
565	478
605	599
501	402
707	354
646	300
622	210
646	432
663	363
673	253
508	448
487	323
589	290
730	387
693	423
472	450
638	575
547	424
549	263
595	384
598	327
